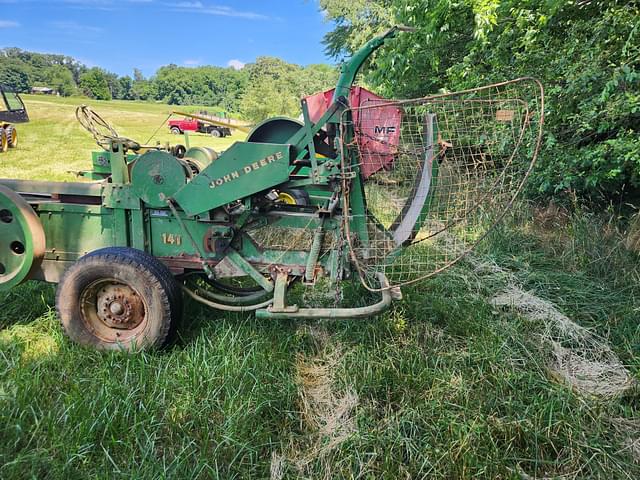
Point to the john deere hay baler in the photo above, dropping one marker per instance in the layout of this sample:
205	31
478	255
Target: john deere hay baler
380	192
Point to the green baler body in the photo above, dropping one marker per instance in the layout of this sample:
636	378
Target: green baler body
79	217
244	169
213	222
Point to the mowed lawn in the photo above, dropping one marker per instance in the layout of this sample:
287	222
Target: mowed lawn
446	384
53	146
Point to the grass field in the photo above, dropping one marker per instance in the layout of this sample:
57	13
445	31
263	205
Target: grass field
53	145
447	384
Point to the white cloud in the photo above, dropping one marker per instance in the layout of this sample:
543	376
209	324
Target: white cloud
106	5
75	27
188	5
235	63
192	62
8	24
219	10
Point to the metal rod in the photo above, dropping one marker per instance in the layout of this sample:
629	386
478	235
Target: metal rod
219	121
240	262
336	313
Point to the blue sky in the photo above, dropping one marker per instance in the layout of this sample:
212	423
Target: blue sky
122	34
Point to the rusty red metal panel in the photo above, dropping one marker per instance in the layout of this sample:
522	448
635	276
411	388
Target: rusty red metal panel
318	103
377	128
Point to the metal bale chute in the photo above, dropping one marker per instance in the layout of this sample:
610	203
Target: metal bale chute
437	181
388	191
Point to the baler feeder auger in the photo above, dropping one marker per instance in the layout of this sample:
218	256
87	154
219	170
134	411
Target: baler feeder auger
389	191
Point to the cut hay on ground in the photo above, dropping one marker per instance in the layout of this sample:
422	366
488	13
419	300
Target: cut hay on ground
325	412
575	355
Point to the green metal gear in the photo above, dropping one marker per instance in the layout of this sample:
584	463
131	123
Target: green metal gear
22	239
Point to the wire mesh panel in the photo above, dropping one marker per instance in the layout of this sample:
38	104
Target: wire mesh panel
437	174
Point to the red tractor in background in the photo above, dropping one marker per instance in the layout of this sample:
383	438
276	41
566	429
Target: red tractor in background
12	110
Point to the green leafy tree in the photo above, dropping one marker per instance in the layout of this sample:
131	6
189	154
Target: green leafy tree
15	74
276	87
94	84
587	54
126	86
202	85
60	79
115	87
143	90
271	89
137	75
38	64
315	78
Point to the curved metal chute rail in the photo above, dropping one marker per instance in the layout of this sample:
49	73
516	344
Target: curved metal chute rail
459	162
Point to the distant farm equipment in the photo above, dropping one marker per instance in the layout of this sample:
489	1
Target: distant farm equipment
12	110
383	192
203	122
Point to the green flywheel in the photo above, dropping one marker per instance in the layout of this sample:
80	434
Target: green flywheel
156	176
22	240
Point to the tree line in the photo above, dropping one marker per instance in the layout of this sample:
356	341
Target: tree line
269	86
586	53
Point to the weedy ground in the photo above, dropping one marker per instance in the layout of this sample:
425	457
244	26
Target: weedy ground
444	385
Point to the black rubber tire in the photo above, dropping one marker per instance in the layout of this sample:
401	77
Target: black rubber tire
4	142
161	270
216	133
150	278
175	130
299	195
10	133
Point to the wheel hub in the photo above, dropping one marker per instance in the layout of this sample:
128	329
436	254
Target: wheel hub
119	306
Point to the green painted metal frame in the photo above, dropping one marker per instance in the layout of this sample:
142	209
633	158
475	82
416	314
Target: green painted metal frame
80	217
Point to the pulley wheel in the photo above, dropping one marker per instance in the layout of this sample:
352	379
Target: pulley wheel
201	156
156	176
22	240
294	196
